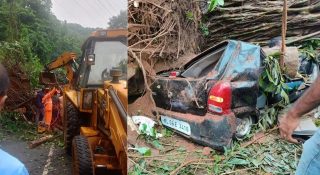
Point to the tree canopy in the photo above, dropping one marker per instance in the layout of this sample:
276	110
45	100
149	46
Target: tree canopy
119	21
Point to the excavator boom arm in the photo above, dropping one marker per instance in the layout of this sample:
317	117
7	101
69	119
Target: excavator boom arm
65	60
62	60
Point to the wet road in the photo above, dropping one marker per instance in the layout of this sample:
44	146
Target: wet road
46	159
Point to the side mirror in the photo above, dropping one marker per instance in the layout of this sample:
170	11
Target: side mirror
91	59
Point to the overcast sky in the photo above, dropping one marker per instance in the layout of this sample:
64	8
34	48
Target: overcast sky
88	13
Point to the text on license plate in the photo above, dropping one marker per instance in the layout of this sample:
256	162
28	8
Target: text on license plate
181	126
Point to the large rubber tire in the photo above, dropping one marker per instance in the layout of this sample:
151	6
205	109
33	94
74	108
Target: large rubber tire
82	163
71	125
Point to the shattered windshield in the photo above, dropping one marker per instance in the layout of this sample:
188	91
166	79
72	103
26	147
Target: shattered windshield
108	55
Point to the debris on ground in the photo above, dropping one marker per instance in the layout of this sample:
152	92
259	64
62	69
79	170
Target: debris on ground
15	135
20	94
146	126
259	137
157	43
206	151
12	123
275	156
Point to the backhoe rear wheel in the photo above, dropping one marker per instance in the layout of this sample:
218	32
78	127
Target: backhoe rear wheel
71	125
82	163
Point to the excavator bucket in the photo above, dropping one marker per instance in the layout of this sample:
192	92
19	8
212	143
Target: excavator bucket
47	78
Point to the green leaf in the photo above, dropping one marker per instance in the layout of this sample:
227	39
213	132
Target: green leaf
166	132
275	75
189	15
269	120
144	151
216	168
261	82
144	128
157	144
238	161
204	29
220	2
153	132
181	149
255	162
270	88
270	78
212	5
167	168
278	90
284	95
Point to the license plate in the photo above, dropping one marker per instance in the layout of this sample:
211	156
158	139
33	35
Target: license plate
181	126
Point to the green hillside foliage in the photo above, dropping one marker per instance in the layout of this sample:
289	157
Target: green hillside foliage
30	35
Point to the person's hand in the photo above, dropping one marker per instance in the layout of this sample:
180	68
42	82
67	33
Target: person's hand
287	124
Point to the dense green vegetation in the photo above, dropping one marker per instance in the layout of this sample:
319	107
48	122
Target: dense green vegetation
30	35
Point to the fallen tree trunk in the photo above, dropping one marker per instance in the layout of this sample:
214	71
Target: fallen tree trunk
40	141
258	21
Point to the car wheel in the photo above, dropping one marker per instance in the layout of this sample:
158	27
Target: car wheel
82	161
244	127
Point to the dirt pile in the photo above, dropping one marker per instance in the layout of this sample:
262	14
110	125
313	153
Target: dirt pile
20	94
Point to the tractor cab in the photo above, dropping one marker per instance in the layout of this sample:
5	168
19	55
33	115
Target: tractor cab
101	52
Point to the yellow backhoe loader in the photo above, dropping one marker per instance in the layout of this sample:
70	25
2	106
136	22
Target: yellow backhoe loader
95	103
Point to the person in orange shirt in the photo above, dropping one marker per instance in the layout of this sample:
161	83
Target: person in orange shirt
47	102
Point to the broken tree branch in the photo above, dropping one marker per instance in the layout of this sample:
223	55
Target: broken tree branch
42	140
39	141
258	138
145	80
176	171
303	37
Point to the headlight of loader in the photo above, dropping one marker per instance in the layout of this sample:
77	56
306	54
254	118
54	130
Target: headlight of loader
90	59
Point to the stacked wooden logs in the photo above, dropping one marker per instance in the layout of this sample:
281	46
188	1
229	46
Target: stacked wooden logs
259	20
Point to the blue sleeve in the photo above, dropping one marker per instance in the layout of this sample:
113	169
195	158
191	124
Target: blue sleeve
9	165
39	100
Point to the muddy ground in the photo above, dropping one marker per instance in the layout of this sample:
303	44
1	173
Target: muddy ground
268	155
36	160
